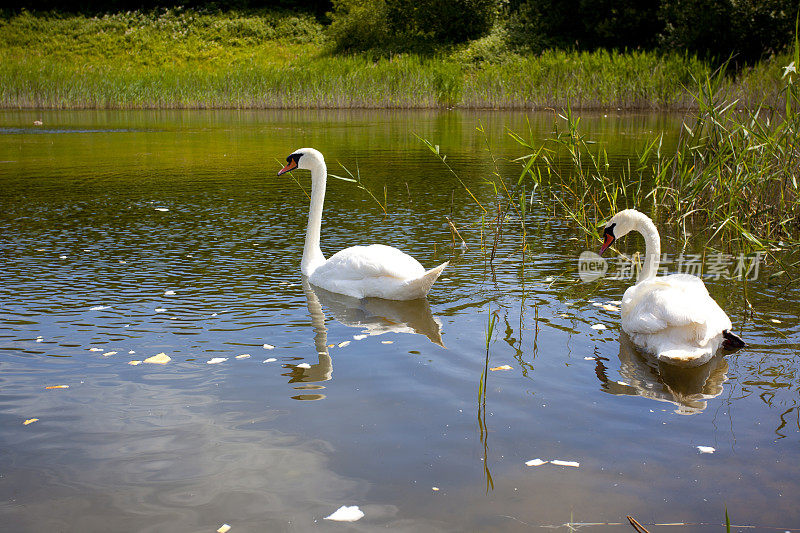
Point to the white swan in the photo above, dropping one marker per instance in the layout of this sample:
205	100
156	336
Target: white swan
672	317
359	271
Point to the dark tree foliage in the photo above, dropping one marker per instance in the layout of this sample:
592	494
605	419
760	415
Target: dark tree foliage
584	24
441	21
745	30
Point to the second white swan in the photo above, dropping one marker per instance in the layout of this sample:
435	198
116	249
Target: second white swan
359	271
672	317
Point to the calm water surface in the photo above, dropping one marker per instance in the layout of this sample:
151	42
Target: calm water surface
128	234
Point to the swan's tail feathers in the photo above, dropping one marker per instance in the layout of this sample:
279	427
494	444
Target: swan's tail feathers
424	283
731	341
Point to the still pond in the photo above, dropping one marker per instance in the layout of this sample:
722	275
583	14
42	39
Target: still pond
128	234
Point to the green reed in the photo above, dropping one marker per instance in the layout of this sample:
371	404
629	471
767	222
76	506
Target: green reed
734	170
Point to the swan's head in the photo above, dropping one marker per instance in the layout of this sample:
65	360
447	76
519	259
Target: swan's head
620	225
304	158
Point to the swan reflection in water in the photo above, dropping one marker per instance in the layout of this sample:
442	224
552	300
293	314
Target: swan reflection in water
373	316
687	388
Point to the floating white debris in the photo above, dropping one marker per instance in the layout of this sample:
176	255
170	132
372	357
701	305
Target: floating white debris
346	514
131	351
269	347
360	337
62	256
99	307
303	365
599	326
435	488
224	528
270	360
121	262
213	314
588	358
109	353
387	342
159	359
343	344
169	293
57	387
243	356
134	363
30	421
216	360
39	339
559	462
564	315
535	462
95	349
706	449
160	310
548	279
597	304
609	307
501	367
774	320
614	302
162	209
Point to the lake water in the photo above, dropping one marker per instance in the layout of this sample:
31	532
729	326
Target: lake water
128	234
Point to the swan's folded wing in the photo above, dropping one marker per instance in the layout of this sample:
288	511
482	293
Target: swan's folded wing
374	261
671	301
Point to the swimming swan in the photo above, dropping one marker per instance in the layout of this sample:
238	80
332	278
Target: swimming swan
672	317
359	271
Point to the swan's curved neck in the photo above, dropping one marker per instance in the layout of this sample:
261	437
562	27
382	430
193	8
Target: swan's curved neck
652	247
312	254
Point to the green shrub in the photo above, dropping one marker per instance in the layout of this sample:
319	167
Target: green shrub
402	25
359	24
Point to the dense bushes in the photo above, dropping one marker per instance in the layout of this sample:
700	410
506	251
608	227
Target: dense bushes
409	24
583	24
745	29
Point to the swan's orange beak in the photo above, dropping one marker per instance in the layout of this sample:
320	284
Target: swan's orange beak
291	166
608	239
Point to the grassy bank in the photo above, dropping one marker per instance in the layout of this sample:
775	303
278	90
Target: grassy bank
187	59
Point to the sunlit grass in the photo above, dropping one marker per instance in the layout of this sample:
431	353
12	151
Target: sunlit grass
189	59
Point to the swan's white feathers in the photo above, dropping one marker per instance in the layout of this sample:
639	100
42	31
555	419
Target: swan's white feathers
373	261
674	318
671	317
360	271
658	303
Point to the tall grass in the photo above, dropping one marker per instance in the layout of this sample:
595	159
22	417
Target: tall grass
735	171
189	59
